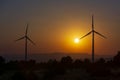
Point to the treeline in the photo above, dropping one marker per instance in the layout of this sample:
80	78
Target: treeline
53	67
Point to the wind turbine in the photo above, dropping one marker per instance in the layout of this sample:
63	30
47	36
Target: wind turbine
26	38
93	39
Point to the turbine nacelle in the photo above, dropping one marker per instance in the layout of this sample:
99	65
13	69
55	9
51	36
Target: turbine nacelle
26	36
26	41
93	32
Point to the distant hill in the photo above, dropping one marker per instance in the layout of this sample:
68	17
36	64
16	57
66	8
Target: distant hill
44	57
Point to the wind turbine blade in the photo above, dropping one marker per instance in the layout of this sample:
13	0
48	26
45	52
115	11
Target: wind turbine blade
26	30
92	21
30	40
99	34
86	34
20	38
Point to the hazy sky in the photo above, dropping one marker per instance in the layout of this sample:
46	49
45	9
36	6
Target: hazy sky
53	25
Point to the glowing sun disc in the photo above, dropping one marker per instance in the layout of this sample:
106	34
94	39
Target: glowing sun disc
76	40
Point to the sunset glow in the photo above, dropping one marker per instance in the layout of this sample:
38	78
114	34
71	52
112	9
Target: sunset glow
82	36
76	40
56	26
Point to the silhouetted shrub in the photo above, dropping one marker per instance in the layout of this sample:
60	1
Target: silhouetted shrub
2	60
2	65
52	61
78	63
31	62
116	58
86	61
66	60
101	61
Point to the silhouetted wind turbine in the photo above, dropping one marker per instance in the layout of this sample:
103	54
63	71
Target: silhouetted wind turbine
93	32
26	42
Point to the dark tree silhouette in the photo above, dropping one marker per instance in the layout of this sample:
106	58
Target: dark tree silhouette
28	70
101	61
52	61
86	61
2	60
2	65
78	61
66	60
116	58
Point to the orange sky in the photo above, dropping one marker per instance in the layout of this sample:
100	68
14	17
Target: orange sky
55	24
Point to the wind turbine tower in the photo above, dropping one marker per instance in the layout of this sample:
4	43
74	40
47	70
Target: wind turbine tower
93	38
26	38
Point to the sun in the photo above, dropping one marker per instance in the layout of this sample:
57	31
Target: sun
76	40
